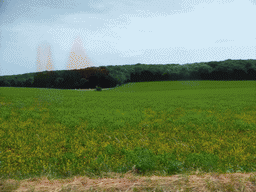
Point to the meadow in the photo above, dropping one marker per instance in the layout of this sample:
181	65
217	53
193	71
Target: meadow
160	128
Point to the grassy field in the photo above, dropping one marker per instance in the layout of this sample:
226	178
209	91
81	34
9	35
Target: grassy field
150	128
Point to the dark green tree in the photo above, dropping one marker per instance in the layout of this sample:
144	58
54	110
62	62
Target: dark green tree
213	64
146	75
42	79
28	82
250	67
83	83
77	85
93	81
6	83
204	72
59	82
21	82
13	82
174	75
166	76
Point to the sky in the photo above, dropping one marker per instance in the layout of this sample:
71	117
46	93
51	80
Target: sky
124	32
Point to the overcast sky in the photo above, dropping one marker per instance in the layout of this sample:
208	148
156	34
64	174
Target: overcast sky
119	32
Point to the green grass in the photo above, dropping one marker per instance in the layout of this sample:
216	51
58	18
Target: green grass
160	127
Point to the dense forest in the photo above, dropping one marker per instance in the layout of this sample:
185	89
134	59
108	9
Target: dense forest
111	76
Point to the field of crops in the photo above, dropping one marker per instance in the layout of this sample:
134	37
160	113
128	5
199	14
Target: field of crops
161	128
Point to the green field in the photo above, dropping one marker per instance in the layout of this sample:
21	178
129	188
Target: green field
162	128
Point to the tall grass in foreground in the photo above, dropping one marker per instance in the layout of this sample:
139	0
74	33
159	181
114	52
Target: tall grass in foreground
162	128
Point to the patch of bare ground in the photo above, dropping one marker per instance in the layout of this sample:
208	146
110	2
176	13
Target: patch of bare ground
131	181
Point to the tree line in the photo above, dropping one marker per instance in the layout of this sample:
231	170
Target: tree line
111	76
